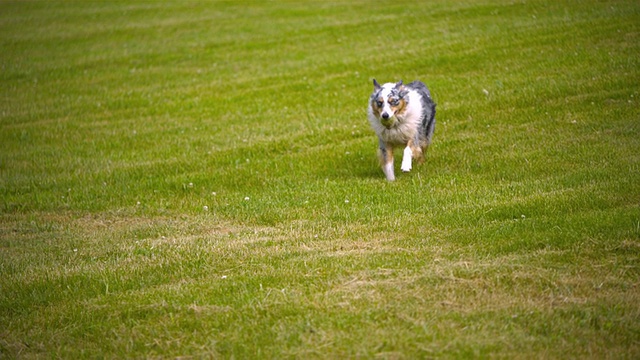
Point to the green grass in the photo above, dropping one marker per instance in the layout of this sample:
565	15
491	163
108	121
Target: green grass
198	179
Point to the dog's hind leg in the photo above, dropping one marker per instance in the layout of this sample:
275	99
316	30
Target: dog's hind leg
385	154
419	147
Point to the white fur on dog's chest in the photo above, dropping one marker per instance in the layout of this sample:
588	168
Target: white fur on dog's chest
399	134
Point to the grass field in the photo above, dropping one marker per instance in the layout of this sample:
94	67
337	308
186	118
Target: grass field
199	179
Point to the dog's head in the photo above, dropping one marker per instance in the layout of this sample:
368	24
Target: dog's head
387	101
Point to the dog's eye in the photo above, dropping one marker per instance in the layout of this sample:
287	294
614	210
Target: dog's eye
379	103
394	102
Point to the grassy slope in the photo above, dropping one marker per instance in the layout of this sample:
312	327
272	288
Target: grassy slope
120	122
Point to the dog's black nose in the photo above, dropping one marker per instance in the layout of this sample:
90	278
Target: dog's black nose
385	115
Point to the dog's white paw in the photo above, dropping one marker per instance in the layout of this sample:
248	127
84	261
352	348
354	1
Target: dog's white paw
406	160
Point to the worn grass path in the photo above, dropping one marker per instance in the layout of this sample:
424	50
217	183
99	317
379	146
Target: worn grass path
198	179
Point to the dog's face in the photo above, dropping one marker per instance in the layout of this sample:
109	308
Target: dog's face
387	101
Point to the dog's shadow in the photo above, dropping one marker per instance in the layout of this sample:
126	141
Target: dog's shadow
362	166
367	167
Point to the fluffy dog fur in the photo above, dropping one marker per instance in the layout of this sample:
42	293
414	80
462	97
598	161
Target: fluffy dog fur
402	115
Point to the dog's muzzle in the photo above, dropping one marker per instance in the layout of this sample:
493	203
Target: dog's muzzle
386	120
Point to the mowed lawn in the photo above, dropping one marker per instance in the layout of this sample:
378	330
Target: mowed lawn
198	179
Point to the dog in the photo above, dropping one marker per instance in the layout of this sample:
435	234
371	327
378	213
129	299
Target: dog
401	115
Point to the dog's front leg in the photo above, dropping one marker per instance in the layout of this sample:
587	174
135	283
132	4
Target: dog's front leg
385	154
406	159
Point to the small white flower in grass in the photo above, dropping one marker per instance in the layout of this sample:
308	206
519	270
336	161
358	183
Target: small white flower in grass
75	250
224	277
205	208
138	203
190	184
213	193
522	216
346	201
246	198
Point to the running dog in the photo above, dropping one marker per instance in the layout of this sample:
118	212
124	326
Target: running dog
401	115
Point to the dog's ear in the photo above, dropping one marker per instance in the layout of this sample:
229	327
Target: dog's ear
376	86
402	90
